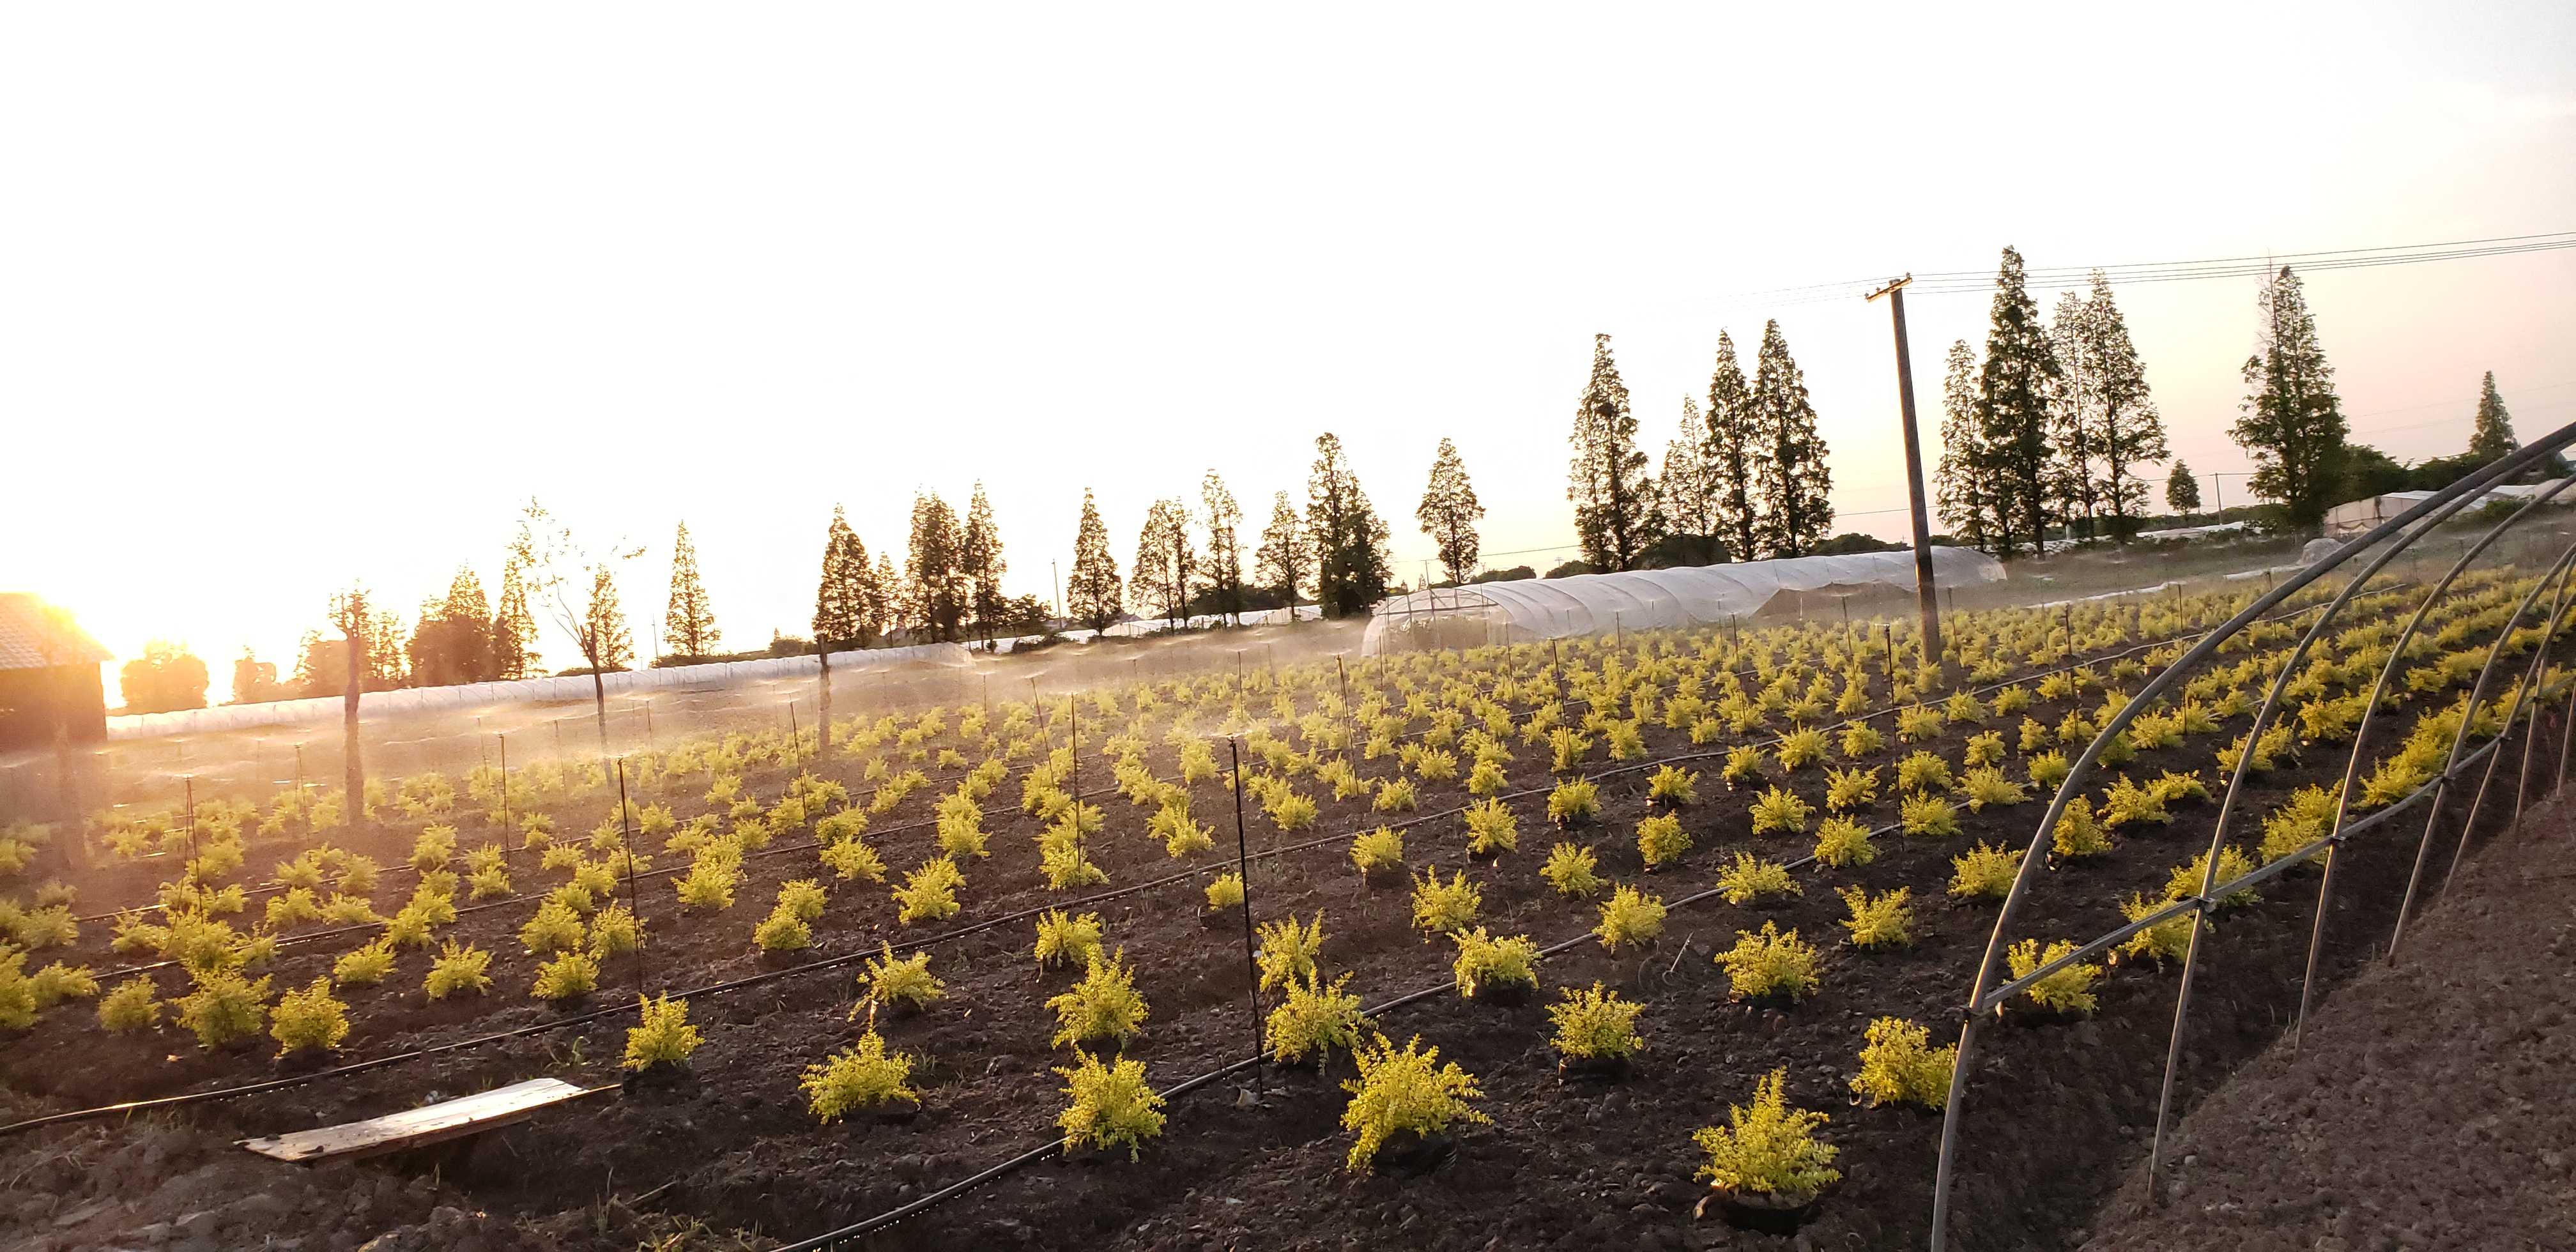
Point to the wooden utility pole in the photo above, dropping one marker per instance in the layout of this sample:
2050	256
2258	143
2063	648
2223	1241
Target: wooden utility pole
1926	597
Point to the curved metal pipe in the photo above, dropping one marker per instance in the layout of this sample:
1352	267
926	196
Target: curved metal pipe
2459	739
2523	705
2444	502
2535	681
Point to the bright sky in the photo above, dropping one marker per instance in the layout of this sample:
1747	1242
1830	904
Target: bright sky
296	295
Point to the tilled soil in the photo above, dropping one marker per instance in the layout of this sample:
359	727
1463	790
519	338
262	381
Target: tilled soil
2059	1109
2430	1104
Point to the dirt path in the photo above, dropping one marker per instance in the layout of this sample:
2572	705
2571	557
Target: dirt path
2433	1104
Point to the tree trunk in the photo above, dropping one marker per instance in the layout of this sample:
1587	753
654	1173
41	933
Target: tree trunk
599	702
823	698
355	776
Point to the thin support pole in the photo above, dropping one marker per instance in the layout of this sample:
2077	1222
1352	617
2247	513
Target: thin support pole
190	800
504	737
1243	875
2534	679
626	845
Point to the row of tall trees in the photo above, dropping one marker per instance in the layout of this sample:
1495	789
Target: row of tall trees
1746	478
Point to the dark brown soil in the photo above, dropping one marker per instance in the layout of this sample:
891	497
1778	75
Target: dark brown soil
1576	1165
2427	1106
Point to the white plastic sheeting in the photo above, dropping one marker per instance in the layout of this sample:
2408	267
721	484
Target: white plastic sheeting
1144	626
711	677
1658	599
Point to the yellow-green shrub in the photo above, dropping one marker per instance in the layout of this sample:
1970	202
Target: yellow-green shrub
2069	990
1928	815
929	893
1574	800
134	1005
1225	892
2164	941
1487	963
1406	1089
1104	1005
2077	835
1571	870
1984	872
1661	840
554	928
1898	1065
1066	940
310	1018
1312	1019
364	966
458	968
1769	963
1881	921
569	975
1441	907
1629	917
858	1078
224	1008
891	979
1595	1024
1768	1149
1780	809
663	1036
1378	850
1673	785
1288	949
1842	842
1110	1105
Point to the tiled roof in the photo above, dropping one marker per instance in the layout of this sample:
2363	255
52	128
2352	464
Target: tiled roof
34	637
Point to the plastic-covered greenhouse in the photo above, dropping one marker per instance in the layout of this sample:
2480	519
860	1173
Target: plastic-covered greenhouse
1654	599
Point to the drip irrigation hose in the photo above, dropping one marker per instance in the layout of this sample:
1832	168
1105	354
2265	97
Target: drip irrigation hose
752	980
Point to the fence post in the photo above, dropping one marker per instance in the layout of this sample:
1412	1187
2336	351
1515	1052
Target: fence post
1243	874
626	845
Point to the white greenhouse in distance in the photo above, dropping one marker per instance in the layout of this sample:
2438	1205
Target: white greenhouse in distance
1526	609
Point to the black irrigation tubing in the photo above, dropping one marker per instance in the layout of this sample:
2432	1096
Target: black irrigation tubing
1055	1147
719	988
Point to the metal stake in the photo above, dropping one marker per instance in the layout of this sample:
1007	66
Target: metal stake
1242	873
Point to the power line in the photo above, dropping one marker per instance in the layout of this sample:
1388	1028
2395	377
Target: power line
1956	282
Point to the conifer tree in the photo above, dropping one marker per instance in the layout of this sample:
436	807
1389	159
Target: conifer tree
1734	448
2129	431
980	563
1616	511
2182	489
1160	579
2292	424
689	624
1092	596
935	584
1449	512
1792	481
1351	563
1959	488
2012	413
841	595
1286	559
514	628
452	641
1690	493
1224	521
884	597
2074	413
2492	435
605	621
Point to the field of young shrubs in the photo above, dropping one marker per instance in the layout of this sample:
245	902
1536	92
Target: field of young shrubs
1547	942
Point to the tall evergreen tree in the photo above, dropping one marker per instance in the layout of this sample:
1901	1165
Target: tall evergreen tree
935	584
1160	579
841	605
605	621
883	597
2292	423
2012	413
1449	512
689	624
452	640
2127	430
980	563
1616	512
1286	559
1224	521
2492	435
1092	595
1690	490
1959	486
1734	448
514	627
2182	489
2074	413
1351	562
1792	481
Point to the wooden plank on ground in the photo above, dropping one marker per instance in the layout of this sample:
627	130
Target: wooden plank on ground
428	1124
